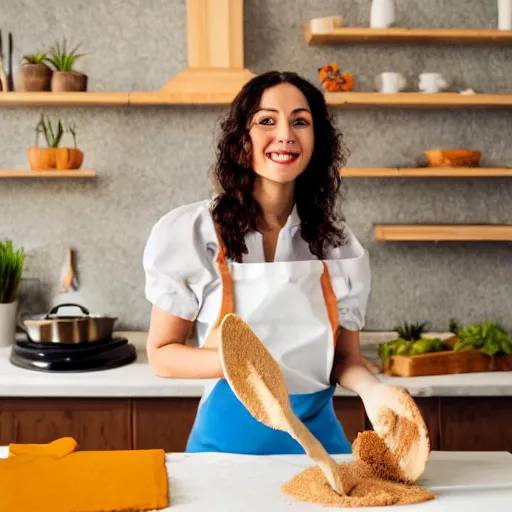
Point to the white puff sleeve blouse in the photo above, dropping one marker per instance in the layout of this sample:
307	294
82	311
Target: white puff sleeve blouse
181	274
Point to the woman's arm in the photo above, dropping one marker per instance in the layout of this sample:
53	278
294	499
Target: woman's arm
349	369
170	357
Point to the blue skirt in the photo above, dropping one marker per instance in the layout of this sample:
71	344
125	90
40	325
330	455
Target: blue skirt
223	424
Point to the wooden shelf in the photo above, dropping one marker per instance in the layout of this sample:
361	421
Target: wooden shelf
417	100
216	97
425	172
16	173
403	35
435	233
63	99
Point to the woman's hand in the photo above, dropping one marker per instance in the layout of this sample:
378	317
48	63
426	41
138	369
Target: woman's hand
398	422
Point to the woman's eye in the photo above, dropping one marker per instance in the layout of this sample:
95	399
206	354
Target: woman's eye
268	121
301	122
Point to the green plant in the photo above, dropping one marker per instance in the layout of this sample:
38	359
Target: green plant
454	326
61	59
52	136
412	331
11	269
35	58
72	129
489	338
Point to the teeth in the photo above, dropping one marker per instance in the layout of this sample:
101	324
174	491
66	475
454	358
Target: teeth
280	157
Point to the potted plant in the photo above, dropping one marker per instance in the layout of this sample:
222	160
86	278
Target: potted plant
69	157
11	269
65	78
53	156
34	74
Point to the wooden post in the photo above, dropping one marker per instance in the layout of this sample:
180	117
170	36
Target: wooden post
215	53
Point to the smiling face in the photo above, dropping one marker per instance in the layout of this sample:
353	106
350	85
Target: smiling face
281	133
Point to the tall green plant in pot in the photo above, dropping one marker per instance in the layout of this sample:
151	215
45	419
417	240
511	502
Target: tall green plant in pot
11	270
65	78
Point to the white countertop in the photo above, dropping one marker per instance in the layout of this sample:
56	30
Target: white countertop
137	380
472	482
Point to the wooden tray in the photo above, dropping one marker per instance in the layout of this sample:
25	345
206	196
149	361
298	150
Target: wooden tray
449	362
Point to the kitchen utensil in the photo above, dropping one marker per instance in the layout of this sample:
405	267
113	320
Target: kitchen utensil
258	382
55	328
453	158
3	76
69	279
10	74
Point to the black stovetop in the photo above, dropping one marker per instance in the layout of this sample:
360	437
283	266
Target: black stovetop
78	357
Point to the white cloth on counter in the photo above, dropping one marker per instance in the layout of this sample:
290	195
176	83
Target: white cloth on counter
182	278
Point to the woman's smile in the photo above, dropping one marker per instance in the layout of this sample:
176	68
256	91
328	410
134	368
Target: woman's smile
282	157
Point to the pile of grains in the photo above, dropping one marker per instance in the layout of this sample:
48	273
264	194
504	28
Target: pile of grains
374	479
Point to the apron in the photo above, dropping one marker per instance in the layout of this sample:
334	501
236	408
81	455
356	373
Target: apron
292	308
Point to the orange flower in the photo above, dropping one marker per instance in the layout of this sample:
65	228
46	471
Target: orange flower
327	71
347	82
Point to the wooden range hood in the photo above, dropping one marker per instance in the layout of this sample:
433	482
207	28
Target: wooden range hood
215	38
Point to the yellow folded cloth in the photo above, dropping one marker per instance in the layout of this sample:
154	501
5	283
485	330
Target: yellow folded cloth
55	478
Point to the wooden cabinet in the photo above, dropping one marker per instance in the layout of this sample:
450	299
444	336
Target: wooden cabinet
465	423
163	422
429	408
350	413
476	423
96	424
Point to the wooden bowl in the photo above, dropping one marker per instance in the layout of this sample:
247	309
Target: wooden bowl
453	158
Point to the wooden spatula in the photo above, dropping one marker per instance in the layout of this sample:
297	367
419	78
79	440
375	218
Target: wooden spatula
258	382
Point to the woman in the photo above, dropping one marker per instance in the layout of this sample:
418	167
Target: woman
299	276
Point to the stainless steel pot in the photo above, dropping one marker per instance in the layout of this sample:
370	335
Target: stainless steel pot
55	328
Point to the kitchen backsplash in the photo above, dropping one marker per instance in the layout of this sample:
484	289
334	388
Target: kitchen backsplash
150	160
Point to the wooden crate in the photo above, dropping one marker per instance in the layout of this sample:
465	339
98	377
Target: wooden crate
439	363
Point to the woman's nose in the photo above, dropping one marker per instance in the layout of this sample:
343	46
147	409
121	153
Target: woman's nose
284	133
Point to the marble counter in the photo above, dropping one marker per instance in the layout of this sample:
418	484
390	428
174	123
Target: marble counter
137	380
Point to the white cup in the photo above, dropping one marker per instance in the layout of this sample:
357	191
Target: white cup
390	82
504	14
431	82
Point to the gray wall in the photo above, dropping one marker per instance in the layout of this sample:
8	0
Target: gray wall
151	160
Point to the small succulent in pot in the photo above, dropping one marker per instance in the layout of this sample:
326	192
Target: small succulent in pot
65	78
53	156
34	75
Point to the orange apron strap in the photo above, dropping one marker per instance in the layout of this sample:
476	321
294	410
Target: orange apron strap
330	301
228	299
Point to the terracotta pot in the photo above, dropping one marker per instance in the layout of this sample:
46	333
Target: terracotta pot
41	159
66	81
34	77
68	158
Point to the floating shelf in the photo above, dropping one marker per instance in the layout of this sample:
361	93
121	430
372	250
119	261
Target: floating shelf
434	233
357	35
163	98
14	173
334	99
425	172
63	99
417	100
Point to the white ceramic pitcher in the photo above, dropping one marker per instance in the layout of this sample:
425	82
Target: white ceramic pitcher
382	13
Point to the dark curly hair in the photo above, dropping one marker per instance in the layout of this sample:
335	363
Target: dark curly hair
235	210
